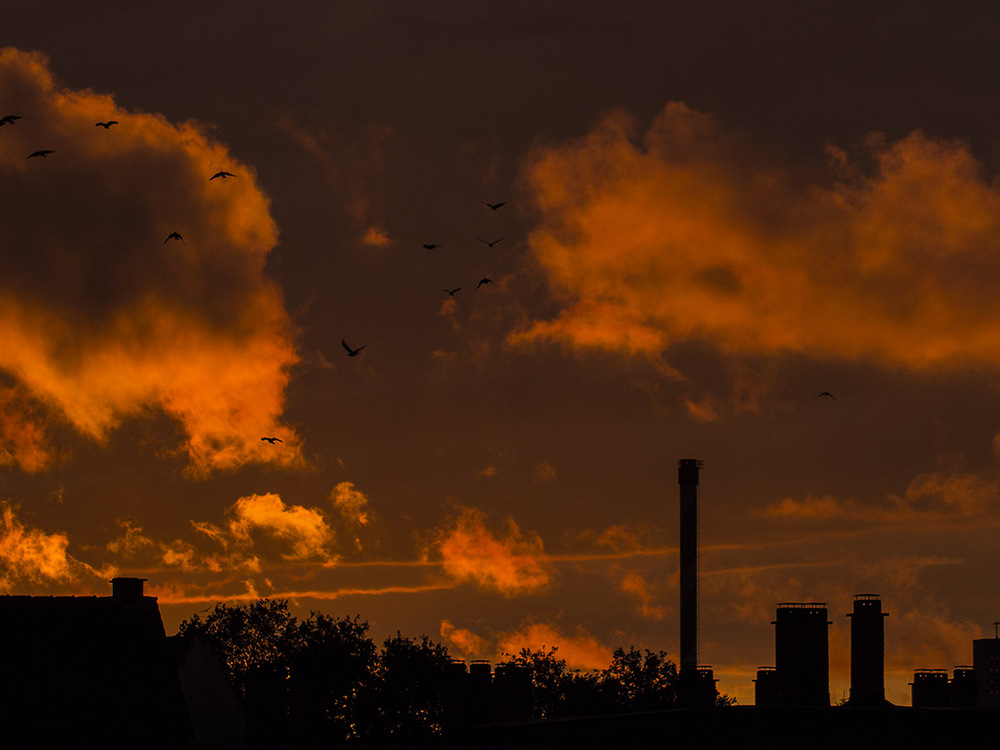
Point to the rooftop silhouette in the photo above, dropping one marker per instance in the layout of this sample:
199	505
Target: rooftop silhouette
94	667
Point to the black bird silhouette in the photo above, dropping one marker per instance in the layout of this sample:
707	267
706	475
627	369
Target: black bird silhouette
490	244
223	175
106	125
431	246
495	206
173	236
826	393
8	119
484	280
272	440
451	292
351	352
43	152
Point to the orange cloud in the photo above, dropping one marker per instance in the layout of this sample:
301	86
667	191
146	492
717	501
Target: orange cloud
511	563
259	530
102	319
132	541
581	650
208	595
688	236
965	495
30	555
812	508
449	306
22	433
928	640
619	539
939	495
304	529
179	554
704	410
545	472
377	237
352	504
464	642
634	584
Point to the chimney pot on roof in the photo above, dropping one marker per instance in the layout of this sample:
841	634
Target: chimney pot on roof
127	590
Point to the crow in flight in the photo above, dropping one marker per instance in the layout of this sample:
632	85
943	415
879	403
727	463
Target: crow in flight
43	152
484	280
173	236
8	119
488	243
223	175
431	246
826	393
106	125
495	206
451	292
272	440
351	352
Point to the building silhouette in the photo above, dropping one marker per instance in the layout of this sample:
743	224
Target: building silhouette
930	689
867	651
964	687
89	669
765	687
986	666
801	657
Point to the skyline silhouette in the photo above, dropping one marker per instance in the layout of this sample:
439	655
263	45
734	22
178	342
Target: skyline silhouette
89	670
697	220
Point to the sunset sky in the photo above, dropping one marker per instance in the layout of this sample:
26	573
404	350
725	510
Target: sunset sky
713	212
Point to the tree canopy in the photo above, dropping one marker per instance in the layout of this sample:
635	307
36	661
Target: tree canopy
323	680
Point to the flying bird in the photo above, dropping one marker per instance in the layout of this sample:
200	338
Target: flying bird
173	236
431	246
484	280
43	152
272	440
826	393
495	206
106	125
223	175
487	242
351	352
451	292
8	119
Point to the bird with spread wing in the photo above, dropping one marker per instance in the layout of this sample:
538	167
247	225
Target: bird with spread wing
351	352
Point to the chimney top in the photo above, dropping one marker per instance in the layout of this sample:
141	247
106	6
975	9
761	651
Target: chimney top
127	590
687	470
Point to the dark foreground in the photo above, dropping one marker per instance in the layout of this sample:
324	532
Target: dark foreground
766	728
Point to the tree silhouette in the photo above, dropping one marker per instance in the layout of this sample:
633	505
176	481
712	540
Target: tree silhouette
322	681
409	691
330	673
299	680
639	681
542	674
255	641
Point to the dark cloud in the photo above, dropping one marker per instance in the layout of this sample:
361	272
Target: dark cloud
102	317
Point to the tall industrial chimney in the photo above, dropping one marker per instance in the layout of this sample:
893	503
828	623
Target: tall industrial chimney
687	478
697	684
